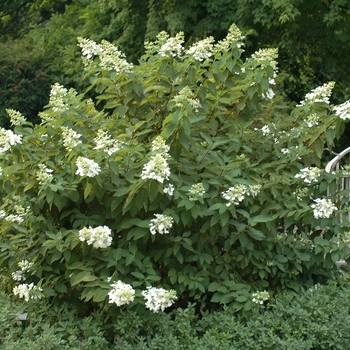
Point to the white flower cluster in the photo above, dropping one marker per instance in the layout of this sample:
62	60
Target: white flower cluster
70	138
16	218
266	57
300	193
169	189
99	237
87	167
16	118
237	193
309	174
110	57
265	130
57	98
159	146
323	208
269	94
234	37
260	297
320	94
28	291
312	120
105	142
158	298
161	224
157	168
315	287
89	48
7	139
186	95
173	46
24	266
121	293
196	192
43	175
202	50
343	110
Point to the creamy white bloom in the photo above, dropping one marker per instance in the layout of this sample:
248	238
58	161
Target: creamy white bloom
58	101
253	190
99	237
161	224
105	142
28	291
8	139
186	95
113	59
309	174
158	298
88	47
234	38
173	46
343	110
43	175
70	138
260	297
196	192
235	194
87	167
320	94
157	168
202	50
121	293
300	193
110	57
265	130
159	146
312	120
266	57
15	218
323	208
16	118
18	275
169	189
25	265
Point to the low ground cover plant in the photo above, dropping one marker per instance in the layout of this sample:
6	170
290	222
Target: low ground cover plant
188	180
314	319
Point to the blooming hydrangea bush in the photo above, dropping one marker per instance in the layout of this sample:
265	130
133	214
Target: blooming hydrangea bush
170	183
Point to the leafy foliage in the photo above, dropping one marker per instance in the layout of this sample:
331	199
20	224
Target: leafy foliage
25	81
314	319
183	121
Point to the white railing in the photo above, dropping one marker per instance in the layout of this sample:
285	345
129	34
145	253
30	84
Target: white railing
342	159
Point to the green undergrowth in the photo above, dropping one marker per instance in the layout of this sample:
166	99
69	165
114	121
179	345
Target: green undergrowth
317	318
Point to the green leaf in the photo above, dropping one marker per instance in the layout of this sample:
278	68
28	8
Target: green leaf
83	276
255	234
259	218
60	287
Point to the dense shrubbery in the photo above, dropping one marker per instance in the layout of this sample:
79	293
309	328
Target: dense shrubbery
315	319
190	177
25	81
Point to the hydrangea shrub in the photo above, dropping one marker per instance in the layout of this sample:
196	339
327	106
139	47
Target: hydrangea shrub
188	179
